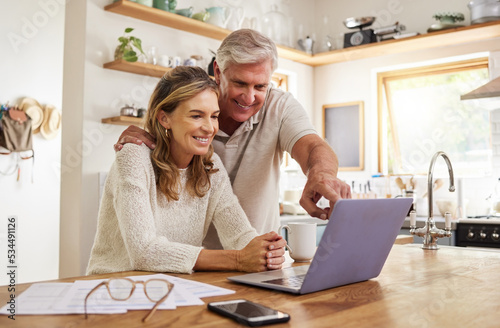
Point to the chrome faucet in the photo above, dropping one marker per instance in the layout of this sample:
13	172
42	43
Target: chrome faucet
429	232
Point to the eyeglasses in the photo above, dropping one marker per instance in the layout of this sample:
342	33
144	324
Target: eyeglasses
121	289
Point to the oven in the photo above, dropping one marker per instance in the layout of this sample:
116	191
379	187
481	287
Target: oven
483	232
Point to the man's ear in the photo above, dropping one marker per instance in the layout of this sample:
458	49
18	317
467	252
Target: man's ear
162	117
217	72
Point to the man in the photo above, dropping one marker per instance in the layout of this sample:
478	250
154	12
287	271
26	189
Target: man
256	124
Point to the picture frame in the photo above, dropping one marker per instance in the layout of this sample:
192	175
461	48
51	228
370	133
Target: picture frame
343	129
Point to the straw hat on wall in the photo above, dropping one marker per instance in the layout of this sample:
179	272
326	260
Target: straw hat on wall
51	122
34	111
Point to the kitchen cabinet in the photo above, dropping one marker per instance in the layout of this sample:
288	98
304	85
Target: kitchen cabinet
459	35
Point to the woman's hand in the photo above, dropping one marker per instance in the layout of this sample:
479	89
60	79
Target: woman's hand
136	135
262	253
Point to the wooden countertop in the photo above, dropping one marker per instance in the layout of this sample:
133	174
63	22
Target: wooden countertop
451	287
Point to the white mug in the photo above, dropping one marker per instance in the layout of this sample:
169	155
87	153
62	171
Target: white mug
301	240
165	61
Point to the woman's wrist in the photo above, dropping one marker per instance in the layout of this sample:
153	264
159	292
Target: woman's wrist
218	260
237	260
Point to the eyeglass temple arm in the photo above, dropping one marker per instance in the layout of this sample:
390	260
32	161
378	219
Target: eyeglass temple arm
90	293
161	300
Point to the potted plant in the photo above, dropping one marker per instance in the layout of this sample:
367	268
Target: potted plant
128	46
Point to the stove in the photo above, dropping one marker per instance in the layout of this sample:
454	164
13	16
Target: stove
478	232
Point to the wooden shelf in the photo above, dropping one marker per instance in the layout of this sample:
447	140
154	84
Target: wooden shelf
165	18
137	68
459	35
123	120
449	37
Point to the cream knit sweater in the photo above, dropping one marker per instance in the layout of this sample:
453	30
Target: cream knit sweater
138	229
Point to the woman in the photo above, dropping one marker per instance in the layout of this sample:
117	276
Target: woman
157	205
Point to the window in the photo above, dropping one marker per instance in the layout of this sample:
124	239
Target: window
420	112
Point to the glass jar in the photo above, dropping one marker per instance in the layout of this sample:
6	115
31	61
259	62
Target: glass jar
275	25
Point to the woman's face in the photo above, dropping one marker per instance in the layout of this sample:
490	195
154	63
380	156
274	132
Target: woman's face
193	125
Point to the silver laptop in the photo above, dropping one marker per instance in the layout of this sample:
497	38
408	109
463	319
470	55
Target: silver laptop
354	247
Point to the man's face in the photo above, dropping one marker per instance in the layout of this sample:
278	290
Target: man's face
243	90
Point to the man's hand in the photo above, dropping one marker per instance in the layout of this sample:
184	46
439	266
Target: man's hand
136	135
326	185
320	164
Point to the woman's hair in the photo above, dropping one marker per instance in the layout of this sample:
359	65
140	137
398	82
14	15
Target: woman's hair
177	85
246	46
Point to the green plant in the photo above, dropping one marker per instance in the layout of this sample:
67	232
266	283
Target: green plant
449	17
128	46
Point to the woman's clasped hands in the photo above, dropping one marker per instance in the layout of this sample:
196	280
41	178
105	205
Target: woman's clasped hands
264	252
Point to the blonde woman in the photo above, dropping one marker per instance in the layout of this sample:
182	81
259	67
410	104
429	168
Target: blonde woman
158	204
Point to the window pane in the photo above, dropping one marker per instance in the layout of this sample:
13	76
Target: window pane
428	116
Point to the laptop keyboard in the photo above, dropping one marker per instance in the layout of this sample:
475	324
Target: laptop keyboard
293	282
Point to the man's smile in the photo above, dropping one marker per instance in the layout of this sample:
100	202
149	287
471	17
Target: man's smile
242	106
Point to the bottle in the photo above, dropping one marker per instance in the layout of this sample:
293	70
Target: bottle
411	194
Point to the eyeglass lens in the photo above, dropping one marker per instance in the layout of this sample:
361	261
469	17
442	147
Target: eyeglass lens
120	289
156	289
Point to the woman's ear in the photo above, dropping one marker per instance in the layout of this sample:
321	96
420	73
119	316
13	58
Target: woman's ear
162	117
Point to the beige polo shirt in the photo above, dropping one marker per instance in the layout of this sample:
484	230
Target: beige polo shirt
253	155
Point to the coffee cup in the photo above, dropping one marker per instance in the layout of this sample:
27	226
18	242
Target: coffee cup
165	61
301	241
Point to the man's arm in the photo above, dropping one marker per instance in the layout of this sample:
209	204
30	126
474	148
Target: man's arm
319	163
136	135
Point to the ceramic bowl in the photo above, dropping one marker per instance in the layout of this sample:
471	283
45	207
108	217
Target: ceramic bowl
359	22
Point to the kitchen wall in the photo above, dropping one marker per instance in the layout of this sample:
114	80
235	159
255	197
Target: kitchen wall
31	64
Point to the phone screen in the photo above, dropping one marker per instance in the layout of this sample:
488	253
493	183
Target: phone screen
248	312
247	309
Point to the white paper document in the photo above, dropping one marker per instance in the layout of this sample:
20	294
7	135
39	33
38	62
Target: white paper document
100	301
200	289
41	298
69	298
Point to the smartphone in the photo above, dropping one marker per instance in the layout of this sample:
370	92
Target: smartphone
248	313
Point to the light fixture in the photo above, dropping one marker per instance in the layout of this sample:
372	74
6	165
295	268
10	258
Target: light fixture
486	96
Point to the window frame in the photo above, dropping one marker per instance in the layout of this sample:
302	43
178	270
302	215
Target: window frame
387	76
